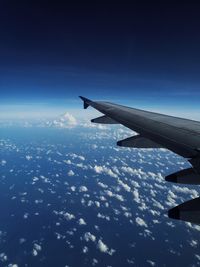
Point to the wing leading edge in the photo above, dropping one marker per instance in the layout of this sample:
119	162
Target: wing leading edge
182	136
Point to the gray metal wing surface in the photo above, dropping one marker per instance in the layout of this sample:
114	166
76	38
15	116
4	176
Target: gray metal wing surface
182	136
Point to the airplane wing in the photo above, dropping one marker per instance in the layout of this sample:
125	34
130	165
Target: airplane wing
182	136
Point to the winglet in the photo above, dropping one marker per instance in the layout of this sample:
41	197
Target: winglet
86	102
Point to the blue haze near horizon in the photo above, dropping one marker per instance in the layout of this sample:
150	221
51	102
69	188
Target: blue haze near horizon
143	55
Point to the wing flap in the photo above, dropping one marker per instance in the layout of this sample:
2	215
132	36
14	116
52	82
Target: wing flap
186	176
188	211
138	142
104	120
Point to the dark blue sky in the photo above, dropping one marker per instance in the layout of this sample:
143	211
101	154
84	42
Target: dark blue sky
51	52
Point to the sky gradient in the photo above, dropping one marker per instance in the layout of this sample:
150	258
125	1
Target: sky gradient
144	55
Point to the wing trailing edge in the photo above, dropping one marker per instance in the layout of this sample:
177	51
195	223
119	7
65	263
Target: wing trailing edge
186	176
138	141
104	120
188	211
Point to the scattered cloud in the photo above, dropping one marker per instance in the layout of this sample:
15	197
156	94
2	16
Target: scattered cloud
81	221
71	173
104	248
66	120
89	237
140	222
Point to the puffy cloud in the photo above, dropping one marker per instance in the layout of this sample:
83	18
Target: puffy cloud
89	237
104	248
136	195
28	157
36	249
197	256
81	221
83	188
99	215
3	162
97	203
71	173
66	120
73	188
85	249
125	186
152	263
67	216
94	262
98	169
193	193
117	196
194	243
102	185
99	126
26	216
69	119
75	156
105	170
3	257
157	204
140	222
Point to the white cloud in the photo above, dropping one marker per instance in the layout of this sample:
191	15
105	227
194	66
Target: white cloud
152	263
71	173
22	240
105	170
81	221
36	249
83	188
104	248
66	120
34	252
28	157
97	203
125	186
3	257
89	237
69	216
102	185
94	262
197	256
140	222
157	204
73	188
99	215
117	196
136	195
194	243
3	162
85	249
26	216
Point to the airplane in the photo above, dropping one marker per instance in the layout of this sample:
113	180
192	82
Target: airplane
182	136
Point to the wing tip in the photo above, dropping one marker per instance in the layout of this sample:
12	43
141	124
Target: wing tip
86	101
